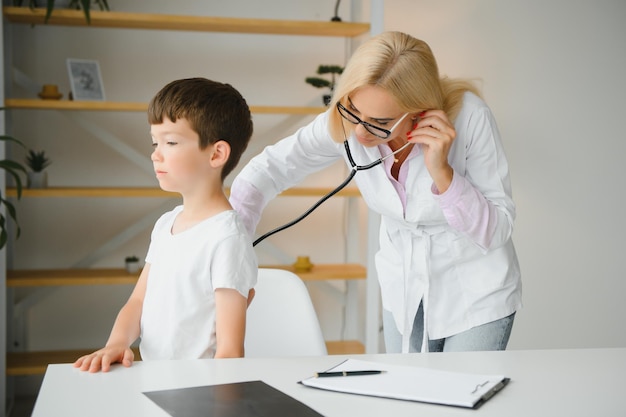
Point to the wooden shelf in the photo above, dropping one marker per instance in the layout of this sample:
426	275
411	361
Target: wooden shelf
155	192
39	104
66	277
319	192
92	192
35	363
117	276
120	20
326	271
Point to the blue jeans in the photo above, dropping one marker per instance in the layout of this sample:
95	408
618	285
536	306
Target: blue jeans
489	336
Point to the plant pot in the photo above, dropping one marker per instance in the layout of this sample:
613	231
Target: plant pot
133	267
327	98
37	179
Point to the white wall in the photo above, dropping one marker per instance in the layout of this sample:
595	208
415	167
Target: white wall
551	70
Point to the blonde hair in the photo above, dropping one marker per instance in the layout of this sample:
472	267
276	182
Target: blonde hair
407	69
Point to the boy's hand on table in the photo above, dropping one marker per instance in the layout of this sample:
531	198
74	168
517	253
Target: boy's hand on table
103	359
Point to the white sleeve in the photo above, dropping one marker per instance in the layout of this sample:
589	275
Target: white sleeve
479	201
281	166
248	201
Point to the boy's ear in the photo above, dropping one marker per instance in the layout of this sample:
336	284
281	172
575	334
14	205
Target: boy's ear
220	154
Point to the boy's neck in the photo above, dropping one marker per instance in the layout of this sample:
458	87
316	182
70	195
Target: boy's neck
200	207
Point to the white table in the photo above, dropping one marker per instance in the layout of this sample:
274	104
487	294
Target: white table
586	382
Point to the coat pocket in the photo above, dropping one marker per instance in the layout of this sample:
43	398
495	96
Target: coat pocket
476	270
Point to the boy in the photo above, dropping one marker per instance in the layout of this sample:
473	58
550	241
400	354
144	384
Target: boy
191	297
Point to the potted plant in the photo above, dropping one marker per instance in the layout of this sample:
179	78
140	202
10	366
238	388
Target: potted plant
132	264
319	82
37	161
12	168
85	5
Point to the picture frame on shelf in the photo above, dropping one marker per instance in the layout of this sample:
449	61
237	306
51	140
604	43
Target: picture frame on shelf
85	79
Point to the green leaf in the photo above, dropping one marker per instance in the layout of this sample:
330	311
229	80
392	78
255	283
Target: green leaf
49	8
86	5
13	214
317	82
37	160
10	165
3	232
12	168
12	139
329	69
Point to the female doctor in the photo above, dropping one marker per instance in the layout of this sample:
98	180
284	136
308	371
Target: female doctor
447	267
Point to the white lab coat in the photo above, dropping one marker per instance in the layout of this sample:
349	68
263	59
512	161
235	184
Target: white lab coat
463	277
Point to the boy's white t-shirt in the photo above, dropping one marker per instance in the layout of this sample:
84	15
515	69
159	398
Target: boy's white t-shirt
178	317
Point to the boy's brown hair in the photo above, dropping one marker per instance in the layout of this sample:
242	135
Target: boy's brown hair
214	110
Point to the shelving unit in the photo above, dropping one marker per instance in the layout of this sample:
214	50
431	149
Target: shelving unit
27	363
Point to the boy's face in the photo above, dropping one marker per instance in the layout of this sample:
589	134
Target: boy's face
178	161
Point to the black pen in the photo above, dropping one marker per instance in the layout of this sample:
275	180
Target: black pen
346	373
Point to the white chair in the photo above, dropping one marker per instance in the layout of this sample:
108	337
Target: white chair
281	320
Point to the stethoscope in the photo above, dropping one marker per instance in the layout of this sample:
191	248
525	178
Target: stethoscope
353	171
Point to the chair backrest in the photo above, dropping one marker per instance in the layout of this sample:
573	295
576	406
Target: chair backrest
281	320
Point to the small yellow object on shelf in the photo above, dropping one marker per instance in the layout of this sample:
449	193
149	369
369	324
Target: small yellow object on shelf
50	92
303	264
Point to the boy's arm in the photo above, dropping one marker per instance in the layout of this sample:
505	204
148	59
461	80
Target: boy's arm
126	330
230	323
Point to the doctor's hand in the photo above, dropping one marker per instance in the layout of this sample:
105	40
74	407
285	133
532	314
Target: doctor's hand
103	359
435	134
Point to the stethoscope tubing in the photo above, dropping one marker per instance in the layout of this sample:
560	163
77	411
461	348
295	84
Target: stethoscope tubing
353	171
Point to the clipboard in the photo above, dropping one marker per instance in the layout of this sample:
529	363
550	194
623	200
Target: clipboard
412	384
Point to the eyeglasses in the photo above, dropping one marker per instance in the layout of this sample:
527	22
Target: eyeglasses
379	132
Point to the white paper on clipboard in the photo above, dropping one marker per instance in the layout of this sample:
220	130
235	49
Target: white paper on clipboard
412	384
